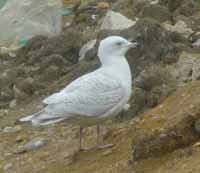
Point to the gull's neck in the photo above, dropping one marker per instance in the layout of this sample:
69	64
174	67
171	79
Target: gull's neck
111	61
118	67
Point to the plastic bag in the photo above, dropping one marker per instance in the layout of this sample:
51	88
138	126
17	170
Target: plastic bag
2	3
20	20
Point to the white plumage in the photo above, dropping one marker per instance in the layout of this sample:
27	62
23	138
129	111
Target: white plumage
101	93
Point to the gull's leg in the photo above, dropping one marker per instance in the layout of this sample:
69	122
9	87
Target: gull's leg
99	145
98	135
99	141
80	138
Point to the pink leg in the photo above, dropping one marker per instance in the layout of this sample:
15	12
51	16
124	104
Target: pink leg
99	145
80	137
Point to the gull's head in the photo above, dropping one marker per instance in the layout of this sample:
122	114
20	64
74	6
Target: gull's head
114	47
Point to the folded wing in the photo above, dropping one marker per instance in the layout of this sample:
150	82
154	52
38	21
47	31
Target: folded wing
93	94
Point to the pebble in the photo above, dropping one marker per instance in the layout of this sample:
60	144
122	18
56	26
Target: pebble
7	166
66	155
67	24
196	43
3	113
21	109
12	129
13	104
197	144
7	154
12	55
32	145
19	139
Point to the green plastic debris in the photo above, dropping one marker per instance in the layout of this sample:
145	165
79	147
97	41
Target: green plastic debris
23	42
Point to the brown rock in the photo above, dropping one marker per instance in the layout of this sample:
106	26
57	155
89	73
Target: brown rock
51	73
170	125
103	5
184	7
27	85
156	12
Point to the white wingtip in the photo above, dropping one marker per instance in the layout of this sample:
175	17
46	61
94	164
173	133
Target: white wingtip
27	118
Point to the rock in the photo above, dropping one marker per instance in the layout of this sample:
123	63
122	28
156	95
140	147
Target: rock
169	126
12	129
88	46
196	43
51	73
3	112
19	139
19	95
196	144
152	85
67	24
4	50
12	55
7	166
103	5
156	12
6	94
13	104
130	8
66	44
184	7
188	67
34	144
54	59
148	78
156	45
30	49
27	85
116	21
89	13
8	154
180	27
195	39
154	2
7	77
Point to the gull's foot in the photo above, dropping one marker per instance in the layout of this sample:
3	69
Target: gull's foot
84	149
101	147
104	146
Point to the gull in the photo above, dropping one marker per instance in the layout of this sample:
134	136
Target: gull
93	97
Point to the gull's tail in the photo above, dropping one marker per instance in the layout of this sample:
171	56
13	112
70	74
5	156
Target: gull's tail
41	118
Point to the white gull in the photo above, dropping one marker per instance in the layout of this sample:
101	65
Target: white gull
94	96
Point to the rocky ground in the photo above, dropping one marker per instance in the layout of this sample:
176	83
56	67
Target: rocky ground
159	133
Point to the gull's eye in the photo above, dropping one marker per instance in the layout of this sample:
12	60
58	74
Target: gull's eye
119	43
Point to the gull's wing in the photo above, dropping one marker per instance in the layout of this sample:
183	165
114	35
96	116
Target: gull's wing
93	94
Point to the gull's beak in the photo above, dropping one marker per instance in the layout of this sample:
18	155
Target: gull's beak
133	45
